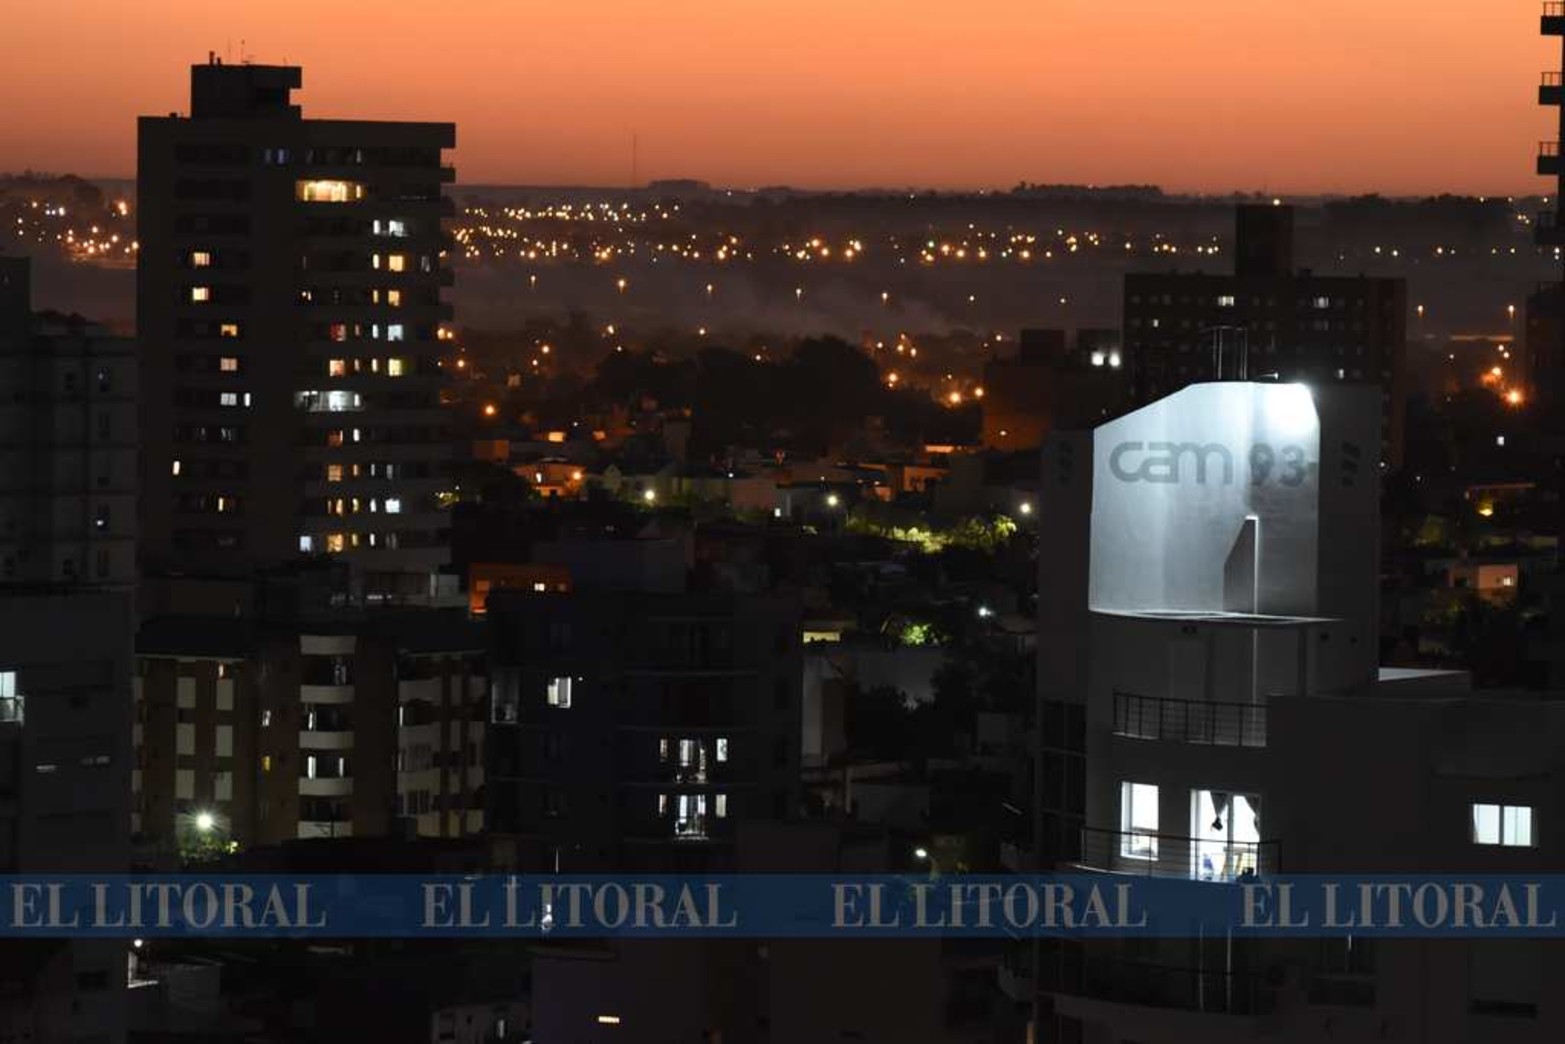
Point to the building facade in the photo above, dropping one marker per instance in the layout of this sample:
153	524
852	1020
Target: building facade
289	295
631	730
1268	321
67	493
1211	707
67	445
266	733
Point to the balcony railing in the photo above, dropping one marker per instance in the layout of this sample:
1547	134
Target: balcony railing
1170	855
1554	9
1217	992
1189	721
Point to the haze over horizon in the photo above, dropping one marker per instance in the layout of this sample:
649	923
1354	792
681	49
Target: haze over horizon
1209	96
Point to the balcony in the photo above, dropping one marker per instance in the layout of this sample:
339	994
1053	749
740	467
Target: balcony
1170	855
1548	159
1208	991
1189	721
1553	22
1551	89
341	786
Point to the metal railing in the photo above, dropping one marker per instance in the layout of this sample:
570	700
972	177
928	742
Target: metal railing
1548	149
1170	855
1552	79
1214	991
1554	8
1189	721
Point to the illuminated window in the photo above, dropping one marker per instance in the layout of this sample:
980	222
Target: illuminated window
559	693
328	401
397	262
720	807
334	473
395	332
200	294
334	542
338	331
395	367
1225	300
176	467
224	504
391	227
394	298
306	544
1138	820
1507	825
336	367
200	259
228	399
228	330
393	505
228	364
330	191
722	748
1322	303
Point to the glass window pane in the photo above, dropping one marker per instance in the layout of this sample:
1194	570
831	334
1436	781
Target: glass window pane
1518	825
1486	824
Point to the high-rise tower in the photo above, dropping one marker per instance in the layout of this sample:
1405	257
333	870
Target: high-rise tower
289	311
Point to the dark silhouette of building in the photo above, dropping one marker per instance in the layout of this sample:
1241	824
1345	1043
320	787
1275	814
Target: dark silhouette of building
289	306
638	717
68	452
67	425
1268	321
1545	337
1051	381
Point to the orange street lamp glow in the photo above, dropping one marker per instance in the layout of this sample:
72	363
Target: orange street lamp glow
489	409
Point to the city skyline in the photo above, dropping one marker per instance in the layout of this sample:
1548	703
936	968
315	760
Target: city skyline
1419	98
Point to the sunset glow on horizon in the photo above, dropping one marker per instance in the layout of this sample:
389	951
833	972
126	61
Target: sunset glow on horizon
1393	96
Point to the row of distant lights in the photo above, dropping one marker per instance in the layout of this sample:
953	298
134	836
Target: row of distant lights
1111	359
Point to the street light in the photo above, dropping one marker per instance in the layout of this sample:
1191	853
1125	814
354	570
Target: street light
205	821
921	853
832	500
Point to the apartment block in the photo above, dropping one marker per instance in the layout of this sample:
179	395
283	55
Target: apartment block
289	295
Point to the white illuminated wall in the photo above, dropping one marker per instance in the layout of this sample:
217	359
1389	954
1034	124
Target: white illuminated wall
1208	501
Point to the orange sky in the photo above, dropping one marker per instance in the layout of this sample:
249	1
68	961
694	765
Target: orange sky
1281	95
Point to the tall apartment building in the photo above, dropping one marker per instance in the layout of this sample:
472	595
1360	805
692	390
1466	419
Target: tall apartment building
67	445
289	302
1211	706
260	732
1545	337
66	539
1268	321
633	730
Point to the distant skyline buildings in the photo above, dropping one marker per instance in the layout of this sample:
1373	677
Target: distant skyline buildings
1211	95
